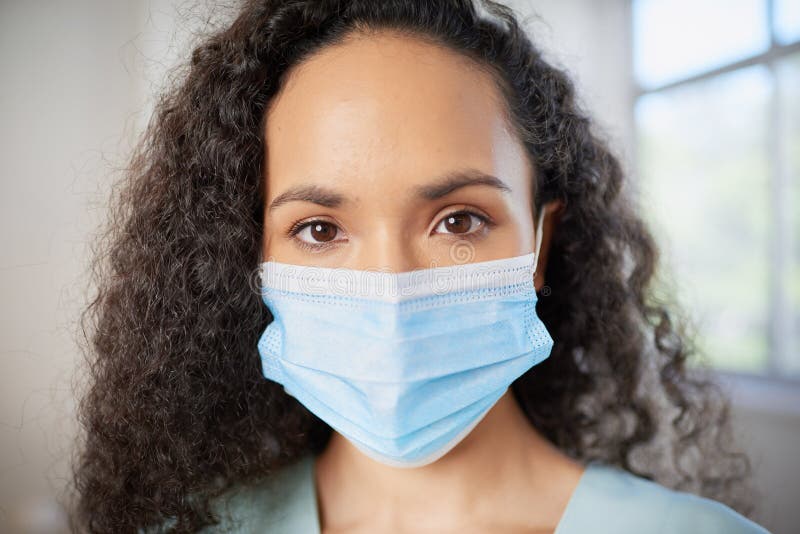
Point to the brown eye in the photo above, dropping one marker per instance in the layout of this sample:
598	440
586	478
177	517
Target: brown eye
461	222
317	231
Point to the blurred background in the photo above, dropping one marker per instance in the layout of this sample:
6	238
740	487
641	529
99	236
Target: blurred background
700	99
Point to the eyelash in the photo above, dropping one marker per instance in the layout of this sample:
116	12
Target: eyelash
487	222
300	226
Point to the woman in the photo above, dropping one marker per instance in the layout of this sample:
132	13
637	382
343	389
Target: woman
414	138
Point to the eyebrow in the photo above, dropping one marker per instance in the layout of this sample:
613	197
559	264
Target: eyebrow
309	193
451	181
441	187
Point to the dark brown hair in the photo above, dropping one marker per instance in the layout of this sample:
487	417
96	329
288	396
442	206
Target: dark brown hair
177	410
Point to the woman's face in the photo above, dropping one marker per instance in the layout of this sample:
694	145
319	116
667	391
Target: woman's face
389	153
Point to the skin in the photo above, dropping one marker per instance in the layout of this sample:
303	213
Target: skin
373	121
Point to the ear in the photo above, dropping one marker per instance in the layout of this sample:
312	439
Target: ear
553	211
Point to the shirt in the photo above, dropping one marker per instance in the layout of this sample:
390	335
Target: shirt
606	500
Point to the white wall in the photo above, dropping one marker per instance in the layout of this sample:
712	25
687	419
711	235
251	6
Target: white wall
591	40
77	85
65	100
76	81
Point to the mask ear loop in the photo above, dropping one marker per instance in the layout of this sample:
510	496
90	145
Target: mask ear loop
538	240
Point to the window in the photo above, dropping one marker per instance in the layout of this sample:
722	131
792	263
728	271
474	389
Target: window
717	116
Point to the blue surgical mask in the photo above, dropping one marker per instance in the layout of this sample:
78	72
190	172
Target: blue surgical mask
404	365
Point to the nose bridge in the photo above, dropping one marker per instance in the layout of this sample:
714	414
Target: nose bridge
388	246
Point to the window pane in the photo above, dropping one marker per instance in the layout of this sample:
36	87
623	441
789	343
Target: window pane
674	39
703	165
787	20
788	71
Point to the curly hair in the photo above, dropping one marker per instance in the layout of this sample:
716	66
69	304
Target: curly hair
176	410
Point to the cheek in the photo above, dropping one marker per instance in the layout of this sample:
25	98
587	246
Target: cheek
507	241
266	246
277	224
272	241
504	240
521	220
513	235
514	230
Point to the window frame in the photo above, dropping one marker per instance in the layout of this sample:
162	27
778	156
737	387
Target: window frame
779	308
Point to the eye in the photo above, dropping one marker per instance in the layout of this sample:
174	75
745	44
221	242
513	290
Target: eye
314	234
462	222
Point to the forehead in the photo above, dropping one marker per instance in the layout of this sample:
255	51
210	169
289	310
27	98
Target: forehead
386	111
